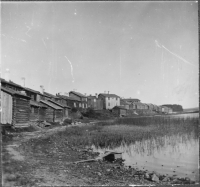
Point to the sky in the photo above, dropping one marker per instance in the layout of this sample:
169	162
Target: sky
145	50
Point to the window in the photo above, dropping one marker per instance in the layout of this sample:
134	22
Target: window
83	105
108	104
94	100
74	104
108	98
80	105
32	110
86	105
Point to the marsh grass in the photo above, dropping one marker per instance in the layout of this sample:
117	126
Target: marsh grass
123	131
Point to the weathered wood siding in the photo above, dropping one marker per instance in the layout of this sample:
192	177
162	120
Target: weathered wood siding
58	115
7	108
42	114
49	114
21	110
122	112
34	113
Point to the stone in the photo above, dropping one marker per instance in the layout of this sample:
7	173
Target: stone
146	176
108	170
155	178
165	179
98	173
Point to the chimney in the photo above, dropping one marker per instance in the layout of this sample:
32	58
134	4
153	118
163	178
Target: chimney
104	91
85	94
23	81
96	95
7	75
42	89
108	92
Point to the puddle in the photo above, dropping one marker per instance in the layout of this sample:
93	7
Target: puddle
176	155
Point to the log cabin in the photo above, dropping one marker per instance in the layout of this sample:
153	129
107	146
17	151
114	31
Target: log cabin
37	111
65	108
54	113
15	108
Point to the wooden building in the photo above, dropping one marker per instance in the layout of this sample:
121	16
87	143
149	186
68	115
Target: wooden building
54	113
15	108
132	100
82	98
95	103
109	100
11	85
124	103
70	101
119	111
65	108
37	111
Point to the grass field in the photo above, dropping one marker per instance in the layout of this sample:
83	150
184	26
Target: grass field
124	130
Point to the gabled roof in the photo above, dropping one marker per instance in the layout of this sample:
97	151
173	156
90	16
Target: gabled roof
11	83
37	104
122	102
68	98
78	94
131	99
49	95
91	97
31	90
109	95
59	104
52	105
13	92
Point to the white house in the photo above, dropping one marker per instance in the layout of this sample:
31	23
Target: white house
109	100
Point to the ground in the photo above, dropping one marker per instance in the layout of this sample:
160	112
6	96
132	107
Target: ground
55	166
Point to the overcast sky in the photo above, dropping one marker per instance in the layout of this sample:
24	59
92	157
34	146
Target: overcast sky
144	50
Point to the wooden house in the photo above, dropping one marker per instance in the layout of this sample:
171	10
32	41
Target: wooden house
15	108
124	103
70	101
54	113
82	98
51	96
119	111
37	111
132	100
11	85
150	106
132	106
109	100
65	108
95	103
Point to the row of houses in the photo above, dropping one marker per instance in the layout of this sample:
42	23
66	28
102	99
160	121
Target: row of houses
21	104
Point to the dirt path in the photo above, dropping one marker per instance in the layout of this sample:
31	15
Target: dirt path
13	156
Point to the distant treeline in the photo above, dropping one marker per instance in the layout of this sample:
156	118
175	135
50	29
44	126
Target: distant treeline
175	108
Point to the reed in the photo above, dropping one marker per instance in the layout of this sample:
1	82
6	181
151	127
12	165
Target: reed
123	131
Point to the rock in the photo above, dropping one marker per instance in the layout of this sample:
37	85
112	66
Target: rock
166	179
108	170
187	178
155	178
146	176
98	173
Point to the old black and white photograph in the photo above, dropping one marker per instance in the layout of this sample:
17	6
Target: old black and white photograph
99	93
